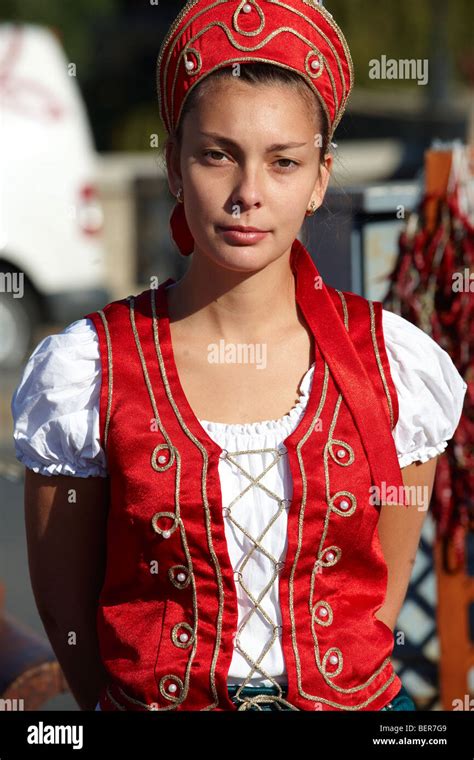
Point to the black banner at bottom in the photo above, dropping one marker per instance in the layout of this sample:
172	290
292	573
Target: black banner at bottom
373	734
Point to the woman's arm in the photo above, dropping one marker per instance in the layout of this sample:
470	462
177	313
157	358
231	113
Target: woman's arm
399	530
66	520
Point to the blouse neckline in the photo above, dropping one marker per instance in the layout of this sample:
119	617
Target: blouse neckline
286	422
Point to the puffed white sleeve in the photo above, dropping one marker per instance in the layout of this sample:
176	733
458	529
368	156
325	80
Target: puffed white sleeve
430	390
55	407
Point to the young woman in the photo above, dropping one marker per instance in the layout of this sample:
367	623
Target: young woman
228	526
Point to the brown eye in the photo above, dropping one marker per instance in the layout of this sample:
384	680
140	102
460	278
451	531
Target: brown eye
213	153
286	159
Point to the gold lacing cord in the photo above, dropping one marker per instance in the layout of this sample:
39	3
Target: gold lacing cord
249	703
257	545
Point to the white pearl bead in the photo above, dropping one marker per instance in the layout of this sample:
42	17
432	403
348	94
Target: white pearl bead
341	453
344	504
172	687
166	533
330	556
183	637
315	64
333	659
323	612
162	459
181	577
189	65
247	8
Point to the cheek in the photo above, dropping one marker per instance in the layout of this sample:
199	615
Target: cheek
202	184
206	196
202	200
289	198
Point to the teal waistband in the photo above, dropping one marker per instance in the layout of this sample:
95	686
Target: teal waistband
247	691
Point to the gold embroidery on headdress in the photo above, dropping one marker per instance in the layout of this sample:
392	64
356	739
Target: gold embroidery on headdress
338	106
235	18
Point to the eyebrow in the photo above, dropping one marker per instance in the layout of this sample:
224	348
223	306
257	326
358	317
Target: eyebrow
269	149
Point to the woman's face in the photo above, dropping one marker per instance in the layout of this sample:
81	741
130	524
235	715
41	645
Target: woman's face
250	157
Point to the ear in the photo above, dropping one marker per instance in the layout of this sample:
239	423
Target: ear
323	180
173	166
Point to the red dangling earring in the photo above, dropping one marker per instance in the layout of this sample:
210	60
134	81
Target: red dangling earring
180	232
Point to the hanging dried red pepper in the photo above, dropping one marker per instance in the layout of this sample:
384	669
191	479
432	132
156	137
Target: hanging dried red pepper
432	285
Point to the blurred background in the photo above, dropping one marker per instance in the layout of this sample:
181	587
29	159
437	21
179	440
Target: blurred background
84	209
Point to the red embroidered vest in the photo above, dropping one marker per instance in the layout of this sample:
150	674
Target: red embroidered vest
168	569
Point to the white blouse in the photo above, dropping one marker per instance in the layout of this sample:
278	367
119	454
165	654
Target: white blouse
55	410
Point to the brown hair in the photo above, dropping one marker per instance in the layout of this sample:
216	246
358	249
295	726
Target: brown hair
260	73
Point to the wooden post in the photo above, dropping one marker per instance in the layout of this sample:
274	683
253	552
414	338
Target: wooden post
455	594
437	170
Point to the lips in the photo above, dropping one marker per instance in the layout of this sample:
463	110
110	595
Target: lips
243	229
238	235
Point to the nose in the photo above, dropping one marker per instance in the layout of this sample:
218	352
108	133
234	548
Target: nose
248	191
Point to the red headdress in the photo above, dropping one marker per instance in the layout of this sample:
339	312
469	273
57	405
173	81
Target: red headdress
299	35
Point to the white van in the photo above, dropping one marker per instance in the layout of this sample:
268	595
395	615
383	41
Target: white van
52	264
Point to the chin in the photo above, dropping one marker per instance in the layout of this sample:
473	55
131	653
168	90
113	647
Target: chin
239	258
242	258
